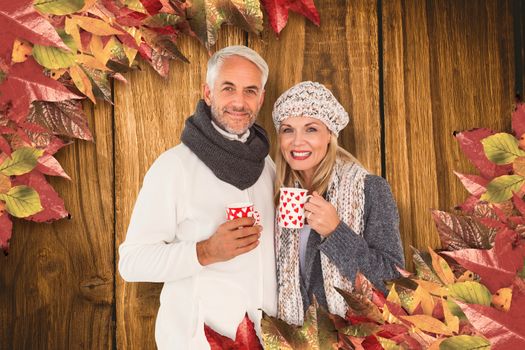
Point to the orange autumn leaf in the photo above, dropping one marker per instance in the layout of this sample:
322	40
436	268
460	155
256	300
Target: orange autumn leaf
91	62
97	49
95	26
441	267
423	297
71	28
82	81
428	324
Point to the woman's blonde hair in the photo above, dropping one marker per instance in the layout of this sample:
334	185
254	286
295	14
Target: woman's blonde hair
287	177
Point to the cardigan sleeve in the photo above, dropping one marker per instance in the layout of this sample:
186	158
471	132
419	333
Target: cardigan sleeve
378	251
151	251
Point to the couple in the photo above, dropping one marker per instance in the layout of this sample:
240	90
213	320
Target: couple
215	271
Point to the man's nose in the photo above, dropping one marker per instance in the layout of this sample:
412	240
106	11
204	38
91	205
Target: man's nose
238	99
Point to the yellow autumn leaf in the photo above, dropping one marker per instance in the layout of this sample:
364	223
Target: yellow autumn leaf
502	298
82	81
71	28
441	268
428	324
87	5
519	166
435	345
97	49
21	51
5	183
432	287
57	73
451	320
91	62
466	276
423	297
95	26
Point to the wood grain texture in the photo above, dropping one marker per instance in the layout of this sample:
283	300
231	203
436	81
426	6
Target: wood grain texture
343	55
448	65
149	118
56	285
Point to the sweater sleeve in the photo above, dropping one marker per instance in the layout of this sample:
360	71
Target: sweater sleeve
151	251
378	251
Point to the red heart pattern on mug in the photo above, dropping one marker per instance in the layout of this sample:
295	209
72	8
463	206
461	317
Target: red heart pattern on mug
291	207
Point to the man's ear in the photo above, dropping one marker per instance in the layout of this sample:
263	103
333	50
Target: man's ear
206	92
262	98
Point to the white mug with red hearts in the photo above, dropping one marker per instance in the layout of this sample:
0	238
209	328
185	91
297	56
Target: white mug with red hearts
242	210
291	207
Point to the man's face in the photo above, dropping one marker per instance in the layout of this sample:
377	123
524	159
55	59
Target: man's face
236	96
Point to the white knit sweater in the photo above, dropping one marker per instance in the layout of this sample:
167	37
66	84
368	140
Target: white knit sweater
181	203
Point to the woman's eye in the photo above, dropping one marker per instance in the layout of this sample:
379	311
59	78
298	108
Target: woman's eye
286	130
311	129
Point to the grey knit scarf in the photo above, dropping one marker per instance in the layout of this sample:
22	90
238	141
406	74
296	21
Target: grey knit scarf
239	164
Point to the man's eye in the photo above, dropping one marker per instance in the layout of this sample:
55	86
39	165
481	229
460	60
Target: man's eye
251	92
228	88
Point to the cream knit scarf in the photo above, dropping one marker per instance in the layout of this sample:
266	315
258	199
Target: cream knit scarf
346	193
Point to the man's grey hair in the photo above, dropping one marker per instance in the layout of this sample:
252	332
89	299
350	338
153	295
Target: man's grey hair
218	58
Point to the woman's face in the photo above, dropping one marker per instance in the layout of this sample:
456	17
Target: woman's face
304	143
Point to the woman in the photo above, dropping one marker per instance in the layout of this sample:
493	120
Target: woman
351	218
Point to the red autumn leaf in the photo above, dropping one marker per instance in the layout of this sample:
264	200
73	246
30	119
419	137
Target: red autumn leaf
217	341
474	184
470	143
53	205
245	338
371	343
4	146
468	205
6	228
504	330
152	6
518	119
64	118
26	83
519	203
47	164
461	231
18	19
277	11
498	266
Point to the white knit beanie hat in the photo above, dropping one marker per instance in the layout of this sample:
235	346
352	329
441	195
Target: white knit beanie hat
310	99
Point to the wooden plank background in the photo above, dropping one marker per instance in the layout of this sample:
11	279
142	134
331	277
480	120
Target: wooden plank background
409	72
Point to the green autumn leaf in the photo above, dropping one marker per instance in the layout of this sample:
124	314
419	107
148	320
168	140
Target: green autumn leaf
277	334
21	201
55	58
360	305
22	161
206	17
470	292
423	263
58	7
465	342
361	329
501	148
501	188
135	5
317	332
162	19
389	344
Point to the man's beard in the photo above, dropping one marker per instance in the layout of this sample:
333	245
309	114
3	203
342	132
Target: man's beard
217	117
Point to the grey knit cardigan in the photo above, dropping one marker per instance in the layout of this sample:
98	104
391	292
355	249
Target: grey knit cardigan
375	253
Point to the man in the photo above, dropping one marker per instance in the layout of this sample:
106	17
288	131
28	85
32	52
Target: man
214	272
